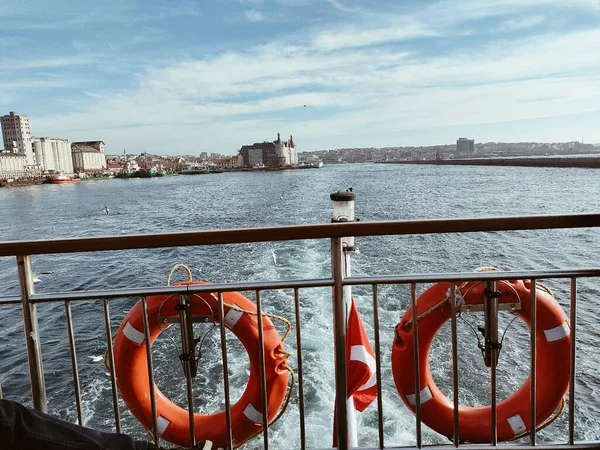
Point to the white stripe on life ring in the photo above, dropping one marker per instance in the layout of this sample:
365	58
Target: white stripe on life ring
517	424
251	413
557	333
232	317
425	396
132	334
162	424
360	353
207	445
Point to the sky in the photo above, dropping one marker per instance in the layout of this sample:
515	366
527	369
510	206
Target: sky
177	77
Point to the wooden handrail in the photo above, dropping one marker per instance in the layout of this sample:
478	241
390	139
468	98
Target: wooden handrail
298	232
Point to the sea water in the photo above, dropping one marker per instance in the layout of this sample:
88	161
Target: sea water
255	199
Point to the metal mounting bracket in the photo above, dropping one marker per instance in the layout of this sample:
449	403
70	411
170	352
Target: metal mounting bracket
516	306
195	319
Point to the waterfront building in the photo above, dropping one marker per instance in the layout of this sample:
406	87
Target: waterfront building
270	154
232	162
465	146
13	165
114	166
17	135
88	156
236	161
53	154
131	166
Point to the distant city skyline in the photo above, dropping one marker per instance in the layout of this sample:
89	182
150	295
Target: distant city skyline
186	77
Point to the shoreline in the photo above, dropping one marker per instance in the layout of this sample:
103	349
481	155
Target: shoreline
36	181
587	163
21	182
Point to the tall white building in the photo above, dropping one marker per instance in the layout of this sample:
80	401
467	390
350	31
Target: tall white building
53	154
12	165
88	156
17	136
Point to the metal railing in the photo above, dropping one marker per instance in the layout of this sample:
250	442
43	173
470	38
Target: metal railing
28	299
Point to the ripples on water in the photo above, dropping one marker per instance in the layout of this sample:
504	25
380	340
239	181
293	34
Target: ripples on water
236	200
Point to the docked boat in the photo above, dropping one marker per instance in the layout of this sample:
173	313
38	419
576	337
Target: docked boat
63	179
194	169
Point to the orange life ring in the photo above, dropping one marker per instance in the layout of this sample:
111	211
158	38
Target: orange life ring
173	421
553	343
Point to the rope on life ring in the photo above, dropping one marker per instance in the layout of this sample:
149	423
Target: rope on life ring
553	342
188	271
287	323
240	317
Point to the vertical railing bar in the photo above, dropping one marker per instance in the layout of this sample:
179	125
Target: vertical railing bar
186	328
454	362
339	318
417	374
532	361
111	361
378	365
573	321
491	351
300	374
74	361
263	375
150	371
225	371
32	336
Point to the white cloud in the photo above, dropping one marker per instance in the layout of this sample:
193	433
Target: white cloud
521	23
453	11
352	37
11	41
81	46
79	16
337	4
255	16
45	63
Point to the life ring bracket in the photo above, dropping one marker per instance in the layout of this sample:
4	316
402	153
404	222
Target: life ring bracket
195	319
511	307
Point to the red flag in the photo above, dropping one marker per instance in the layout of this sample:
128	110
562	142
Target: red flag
360	362
361	369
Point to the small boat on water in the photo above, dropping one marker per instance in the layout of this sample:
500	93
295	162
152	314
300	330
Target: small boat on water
61	179
194	169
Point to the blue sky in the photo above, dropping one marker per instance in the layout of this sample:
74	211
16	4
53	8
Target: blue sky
182	77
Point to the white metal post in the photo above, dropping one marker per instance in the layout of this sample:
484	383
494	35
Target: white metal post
350	408
343	211
32	337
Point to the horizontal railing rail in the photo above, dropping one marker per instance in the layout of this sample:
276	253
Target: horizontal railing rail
304	283
175	289
10	300
298	232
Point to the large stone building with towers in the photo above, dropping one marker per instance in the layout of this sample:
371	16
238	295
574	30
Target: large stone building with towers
270	154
